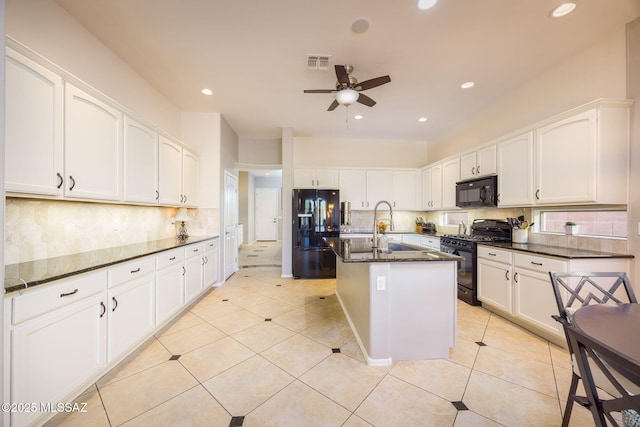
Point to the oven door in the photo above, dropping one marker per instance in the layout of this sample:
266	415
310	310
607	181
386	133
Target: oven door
465	265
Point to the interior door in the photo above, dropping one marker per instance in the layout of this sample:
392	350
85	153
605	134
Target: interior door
266	213
230	224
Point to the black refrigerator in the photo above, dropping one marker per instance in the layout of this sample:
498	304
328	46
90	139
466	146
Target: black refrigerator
316	214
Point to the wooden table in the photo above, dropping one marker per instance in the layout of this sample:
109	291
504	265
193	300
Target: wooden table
614	325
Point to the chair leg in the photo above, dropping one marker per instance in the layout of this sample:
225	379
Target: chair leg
570	399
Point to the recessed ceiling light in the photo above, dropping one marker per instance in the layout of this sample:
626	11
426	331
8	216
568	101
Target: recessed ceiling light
426	4
206	91
422	119
563	9
358	116
467	85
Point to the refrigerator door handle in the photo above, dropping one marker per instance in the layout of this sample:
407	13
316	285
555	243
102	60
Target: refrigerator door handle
304	215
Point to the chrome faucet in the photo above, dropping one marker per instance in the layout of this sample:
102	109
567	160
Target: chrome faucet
374	245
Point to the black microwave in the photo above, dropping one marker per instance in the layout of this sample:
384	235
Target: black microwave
477	192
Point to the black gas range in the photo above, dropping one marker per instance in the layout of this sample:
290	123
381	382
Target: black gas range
465	246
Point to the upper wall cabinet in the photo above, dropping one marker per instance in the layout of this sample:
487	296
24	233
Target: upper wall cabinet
315	178
406	190
140	163
432	187
93	146
478	163
515	171
353	188
34	111
178	179
580	157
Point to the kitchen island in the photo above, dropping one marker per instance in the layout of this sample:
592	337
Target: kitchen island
400	304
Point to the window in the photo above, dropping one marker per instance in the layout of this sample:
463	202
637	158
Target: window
591	222
454	218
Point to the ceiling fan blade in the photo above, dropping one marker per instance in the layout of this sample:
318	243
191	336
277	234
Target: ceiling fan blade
333	105
364	99
319	90
369	84
342	75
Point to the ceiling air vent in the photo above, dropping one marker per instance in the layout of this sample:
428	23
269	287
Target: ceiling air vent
318	62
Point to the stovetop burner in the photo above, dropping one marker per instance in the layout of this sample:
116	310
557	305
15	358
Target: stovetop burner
485	230
469	237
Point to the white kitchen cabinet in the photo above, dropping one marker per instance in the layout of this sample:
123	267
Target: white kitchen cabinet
140	163
430	242
316	178
450	175
210	267
34	112
432	187
131	315
515	171
170	172
478	163
193	271
169	284
379	187
92	147
494	278
353	188
405	194
53	354
190	178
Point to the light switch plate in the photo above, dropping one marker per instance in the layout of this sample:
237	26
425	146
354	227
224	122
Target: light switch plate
381	283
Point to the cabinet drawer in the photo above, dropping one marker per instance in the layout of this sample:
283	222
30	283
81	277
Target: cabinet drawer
494	254
211	245
538	263
131	270
56	295
165	259
194	250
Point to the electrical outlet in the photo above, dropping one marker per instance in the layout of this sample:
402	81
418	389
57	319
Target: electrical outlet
381	283
116	226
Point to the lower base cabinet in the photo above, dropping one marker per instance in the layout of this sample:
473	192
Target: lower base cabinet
63	336
53	355
193	264
516	285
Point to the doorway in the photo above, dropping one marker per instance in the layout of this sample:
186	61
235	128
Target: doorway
266	213
230	224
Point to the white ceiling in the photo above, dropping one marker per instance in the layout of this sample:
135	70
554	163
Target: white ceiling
252	54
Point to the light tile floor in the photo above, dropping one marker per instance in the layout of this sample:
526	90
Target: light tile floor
261	350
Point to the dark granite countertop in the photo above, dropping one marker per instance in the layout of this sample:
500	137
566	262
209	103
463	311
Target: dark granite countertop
28	274
569	253
369	231
354	249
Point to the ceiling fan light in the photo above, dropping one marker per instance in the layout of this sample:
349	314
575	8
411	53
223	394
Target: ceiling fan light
347	96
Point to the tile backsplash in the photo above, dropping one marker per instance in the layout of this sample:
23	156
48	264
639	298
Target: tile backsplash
39	229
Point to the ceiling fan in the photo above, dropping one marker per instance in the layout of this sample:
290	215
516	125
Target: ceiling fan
348	89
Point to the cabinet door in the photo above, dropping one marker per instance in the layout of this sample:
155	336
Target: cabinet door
169	292
450	175
486	161
566	160
140	163
93	146
54	354
131	315
353	187
436	187
535	301
210	267
170	173
405	194
426	189
190	178
379	187
33	127
304	178
468	166
327	178
494	284
515	171
193	277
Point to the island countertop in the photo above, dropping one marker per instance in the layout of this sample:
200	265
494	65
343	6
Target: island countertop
28	274
355	249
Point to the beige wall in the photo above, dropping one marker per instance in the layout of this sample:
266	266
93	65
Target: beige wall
633	74
598	72
260	152
46	28
337	152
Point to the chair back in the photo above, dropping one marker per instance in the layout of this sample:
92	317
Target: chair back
593	356
574	290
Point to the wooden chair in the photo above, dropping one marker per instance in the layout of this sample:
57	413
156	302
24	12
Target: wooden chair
574	290
593	356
